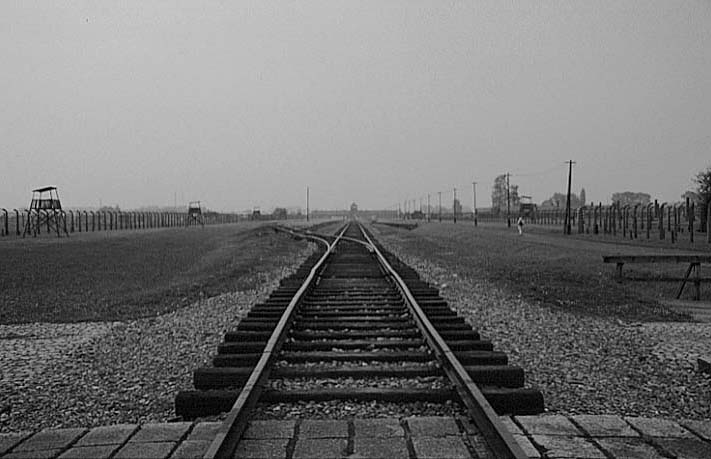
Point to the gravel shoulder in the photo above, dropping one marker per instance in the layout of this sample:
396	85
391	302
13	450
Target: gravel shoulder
98	373
584	364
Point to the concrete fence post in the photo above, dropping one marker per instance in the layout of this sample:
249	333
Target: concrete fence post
708	223
661	221
17	221
692	218
6	224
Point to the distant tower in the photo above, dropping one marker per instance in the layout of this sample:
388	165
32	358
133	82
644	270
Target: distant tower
194	214
45	209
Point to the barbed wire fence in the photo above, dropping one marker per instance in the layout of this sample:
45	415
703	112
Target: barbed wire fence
653	220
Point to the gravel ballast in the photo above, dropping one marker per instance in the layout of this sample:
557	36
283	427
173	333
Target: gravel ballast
349	410
119	372
582	364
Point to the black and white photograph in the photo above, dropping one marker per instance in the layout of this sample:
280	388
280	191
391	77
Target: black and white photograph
357	229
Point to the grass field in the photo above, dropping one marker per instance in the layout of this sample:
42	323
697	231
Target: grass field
556	270
126	275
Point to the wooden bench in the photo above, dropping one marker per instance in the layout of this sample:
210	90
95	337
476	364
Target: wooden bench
693	260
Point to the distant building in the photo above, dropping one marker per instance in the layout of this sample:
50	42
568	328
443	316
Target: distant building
354	208
279	214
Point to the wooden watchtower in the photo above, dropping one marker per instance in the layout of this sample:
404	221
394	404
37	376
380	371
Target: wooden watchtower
194	214
45	209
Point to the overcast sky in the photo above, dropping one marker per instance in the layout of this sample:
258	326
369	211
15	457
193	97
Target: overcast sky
243	104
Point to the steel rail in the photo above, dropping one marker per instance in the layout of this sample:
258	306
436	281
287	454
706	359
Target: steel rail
230	433
306	233
317	237
485	418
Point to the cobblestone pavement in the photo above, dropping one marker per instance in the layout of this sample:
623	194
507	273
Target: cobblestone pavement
545	436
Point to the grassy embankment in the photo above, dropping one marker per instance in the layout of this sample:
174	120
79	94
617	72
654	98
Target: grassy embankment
118	276
547	267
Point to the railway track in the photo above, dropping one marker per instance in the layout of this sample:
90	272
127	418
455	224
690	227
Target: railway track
354	311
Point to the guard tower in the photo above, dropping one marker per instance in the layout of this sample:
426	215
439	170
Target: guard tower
45	209
194	214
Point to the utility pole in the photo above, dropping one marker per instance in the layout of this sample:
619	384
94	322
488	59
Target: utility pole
508	201
474	201
454	206
428	207
307	203
440	206
566	230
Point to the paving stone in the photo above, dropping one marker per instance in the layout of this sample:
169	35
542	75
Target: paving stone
378	428
204	431
320	448
450	447
378	448
161	432
107	435
560	446
50	439
548	425
700	428
628	447
654	427
685	448
190	449
261	430
527	446
47	454
253	449
90	452
432	426
146	450
9	440
605	426
323	429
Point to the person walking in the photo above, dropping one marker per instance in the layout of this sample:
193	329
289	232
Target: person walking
519	224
